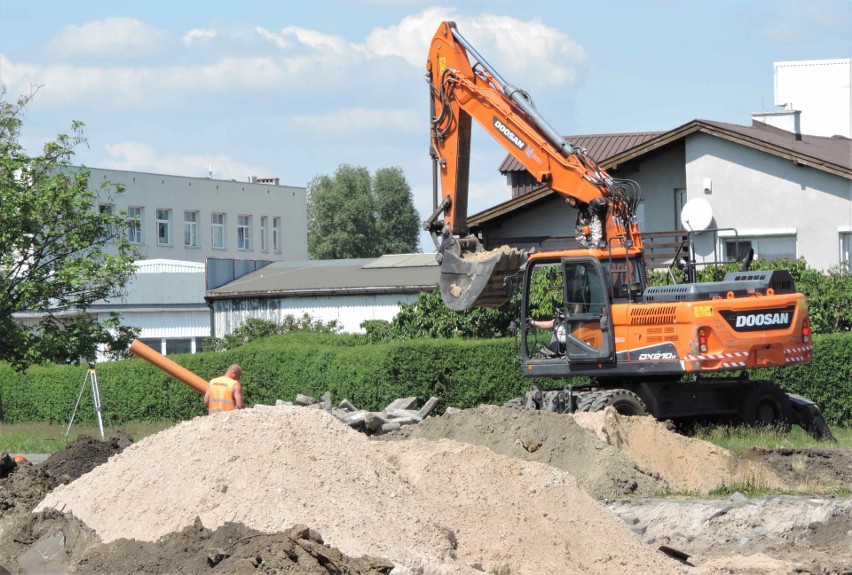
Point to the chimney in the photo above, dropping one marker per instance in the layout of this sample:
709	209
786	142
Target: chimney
786	119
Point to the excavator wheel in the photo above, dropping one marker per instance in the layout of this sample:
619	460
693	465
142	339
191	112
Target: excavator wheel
625	402
766	404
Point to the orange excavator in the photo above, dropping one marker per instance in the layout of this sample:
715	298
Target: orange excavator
666	350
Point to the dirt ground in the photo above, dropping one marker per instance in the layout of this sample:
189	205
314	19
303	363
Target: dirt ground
292	490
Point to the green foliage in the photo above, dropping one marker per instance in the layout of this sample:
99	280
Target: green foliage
255	328
829	293
351	215
58	254
340	215
741	438
545	291
462	372
397	222
827	380
429	317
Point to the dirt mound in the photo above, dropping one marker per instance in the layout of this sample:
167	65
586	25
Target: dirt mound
232	548
28	484
84	454
686	464
557	440
429	507
808	470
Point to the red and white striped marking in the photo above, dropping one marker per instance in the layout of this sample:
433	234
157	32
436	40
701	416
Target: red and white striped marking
799	354
729	360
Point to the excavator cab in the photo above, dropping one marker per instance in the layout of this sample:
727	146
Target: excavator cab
576	288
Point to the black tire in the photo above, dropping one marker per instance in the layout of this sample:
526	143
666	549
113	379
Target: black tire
766	404
625	402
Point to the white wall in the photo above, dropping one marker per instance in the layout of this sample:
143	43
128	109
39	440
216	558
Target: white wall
349	311
658	175
821	90
177	193
766	196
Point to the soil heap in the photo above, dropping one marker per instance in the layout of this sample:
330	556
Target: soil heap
427	506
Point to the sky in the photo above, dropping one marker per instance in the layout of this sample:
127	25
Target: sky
293	89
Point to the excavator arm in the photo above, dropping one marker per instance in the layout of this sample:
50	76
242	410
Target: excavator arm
462	91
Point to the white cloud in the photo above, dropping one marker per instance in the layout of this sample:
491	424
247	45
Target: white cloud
530	50
139	157
244	61
110	38
410	38
198	35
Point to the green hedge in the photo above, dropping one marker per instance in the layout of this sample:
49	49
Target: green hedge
460	372
463	373
827	380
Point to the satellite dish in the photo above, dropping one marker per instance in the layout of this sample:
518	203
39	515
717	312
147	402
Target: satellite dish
696	215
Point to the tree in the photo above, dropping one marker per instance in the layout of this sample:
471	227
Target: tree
254	328
351	215
429	318
58	254
397	222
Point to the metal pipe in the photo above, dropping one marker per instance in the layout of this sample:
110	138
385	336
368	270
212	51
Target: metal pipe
520	98
178	372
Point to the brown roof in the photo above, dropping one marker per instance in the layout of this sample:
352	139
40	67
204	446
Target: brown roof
598	146
829	154
389	274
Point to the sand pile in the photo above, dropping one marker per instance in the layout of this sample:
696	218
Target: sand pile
430	507
685	464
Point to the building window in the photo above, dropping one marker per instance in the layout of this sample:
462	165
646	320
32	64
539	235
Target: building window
108	210
217	231
264	241
276	235
243	232
845	251
164	227
134	224
736	250
179	345
765	248
190	229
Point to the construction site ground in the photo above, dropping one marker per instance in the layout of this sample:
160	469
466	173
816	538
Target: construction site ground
293	490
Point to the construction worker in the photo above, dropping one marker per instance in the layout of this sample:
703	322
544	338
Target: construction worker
225	393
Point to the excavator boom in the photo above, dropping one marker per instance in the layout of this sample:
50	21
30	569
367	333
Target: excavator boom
464	87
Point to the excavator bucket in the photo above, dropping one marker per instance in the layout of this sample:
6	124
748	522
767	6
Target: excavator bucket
477	279
809	417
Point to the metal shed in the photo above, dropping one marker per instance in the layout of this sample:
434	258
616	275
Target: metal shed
348	291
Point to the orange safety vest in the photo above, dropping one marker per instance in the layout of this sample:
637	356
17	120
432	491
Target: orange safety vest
221	395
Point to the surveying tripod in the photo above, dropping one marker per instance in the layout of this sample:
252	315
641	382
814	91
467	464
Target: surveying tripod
91	377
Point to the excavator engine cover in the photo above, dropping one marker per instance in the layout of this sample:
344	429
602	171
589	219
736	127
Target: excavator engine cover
478	278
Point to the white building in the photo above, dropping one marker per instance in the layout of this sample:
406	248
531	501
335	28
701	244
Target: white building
346	291
178	224
787	194
191	219
165	299
820	90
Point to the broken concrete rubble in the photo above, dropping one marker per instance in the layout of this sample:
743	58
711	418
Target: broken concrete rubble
397	413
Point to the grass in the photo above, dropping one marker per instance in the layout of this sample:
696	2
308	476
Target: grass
50	437
738	439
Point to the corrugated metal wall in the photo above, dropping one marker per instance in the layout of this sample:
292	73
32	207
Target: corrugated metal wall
349	311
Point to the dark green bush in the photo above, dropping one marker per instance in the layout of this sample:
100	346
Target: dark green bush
827	381
462	372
